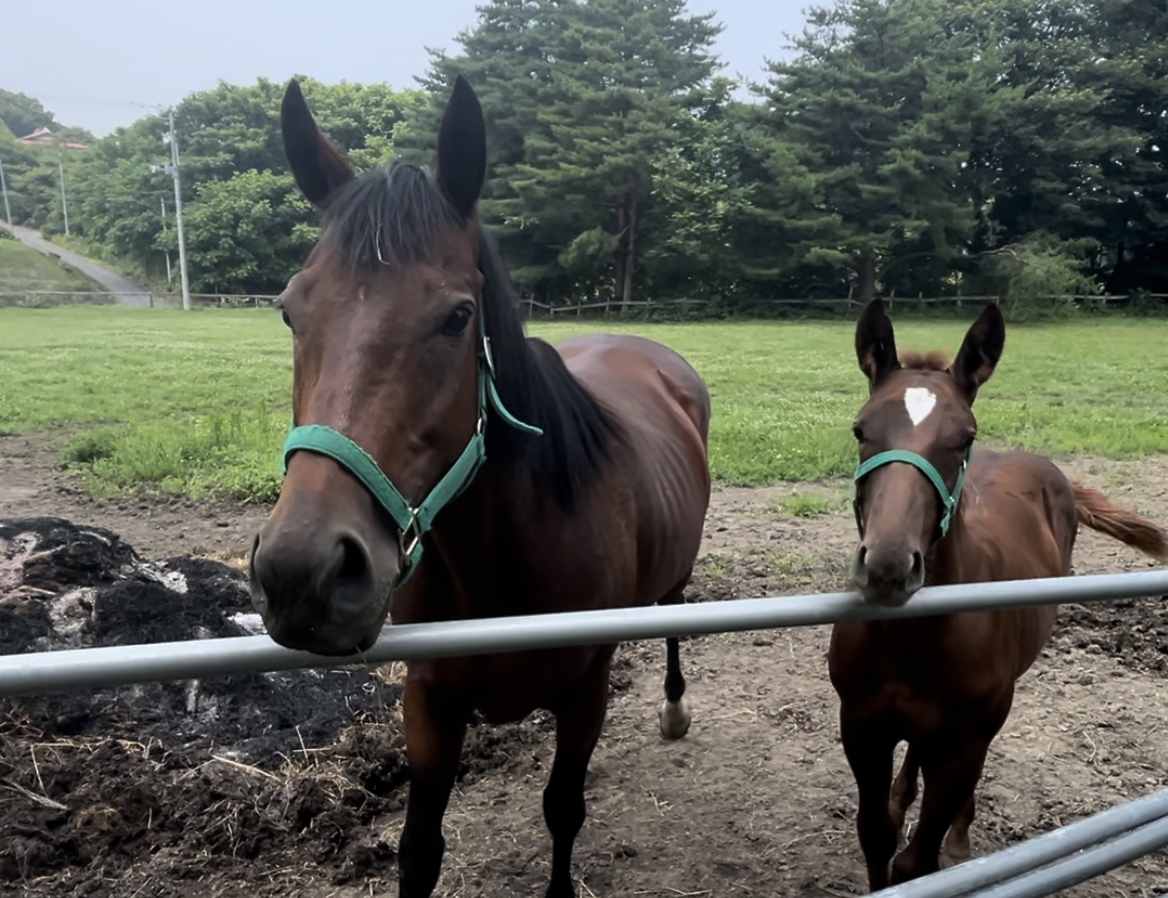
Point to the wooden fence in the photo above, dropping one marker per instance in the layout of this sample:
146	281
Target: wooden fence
533	309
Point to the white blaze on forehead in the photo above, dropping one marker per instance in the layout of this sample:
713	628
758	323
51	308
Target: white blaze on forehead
919	401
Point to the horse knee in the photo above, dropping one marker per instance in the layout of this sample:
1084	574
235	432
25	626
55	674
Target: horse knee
563	809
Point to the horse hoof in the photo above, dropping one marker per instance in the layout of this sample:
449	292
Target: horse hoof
674	719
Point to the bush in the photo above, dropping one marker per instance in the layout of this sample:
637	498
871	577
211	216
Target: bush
1040	278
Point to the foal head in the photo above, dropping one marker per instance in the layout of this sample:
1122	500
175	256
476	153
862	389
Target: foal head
915	434
388	379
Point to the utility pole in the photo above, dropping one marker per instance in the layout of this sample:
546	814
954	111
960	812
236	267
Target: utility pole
64	205
4	190
162	203
182	246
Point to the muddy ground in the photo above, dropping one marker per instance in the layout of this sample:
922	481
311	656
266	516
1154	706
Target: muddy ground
756	800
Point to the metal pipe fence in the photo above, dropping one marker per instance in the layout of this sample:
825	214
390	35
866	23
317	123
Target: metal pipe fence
1094	862
122	665
1036	868
1015	864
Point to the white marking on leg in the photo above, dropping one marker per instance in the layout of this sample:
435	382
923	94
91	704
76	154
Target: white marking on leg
674	719
919	401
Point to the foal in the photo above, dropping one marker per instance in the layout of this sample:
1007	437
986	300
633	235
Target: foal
944	684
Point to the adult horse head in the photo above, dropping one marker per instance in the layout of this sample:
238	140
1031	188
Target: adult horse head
915	435
444	466
388	367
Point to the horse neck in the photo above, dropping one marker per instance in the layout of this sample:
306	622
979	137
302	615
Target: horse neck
943	563
478	552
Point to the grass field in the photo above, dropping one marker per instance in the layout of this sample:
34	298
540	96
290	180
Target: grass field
24	270
193	403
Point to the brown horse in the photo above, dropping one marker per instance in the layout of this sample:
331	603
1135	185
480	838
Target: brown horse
929	513
535	479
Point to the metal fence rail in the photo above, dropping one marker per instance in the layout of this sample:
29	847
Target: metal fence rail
120	665
1014	867
1039	867
1094	862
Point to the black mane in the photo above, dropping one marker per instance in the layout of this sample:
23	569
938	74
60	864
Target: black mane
394	216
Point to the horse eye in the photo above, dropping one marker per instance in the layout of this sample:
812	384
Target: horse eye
457	321
858	434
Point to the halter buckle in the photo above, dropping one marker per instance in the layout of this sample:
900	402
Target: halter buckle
409	538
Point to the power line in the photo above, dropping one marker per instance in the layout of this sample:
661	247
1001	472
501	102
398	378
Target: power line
54	98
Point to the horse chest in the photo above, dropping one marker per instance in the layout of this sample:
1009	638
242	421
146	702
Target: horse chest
509	686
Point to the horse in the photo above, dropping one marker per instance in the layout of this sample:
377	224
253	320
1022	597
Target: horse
444	466
929	512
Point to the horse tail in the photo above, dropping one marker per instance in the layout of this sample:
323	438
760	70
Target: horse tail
1099	514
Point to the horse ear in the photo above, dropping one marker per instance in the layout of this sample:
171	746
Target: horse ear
875	343
980	351
462	148
316	163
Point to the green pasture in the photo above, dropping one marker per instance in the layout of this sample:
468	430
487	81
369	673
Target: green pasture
197	403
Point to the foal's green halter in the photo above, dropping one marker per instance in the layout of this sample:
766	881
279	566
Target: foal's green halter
949	499
414	521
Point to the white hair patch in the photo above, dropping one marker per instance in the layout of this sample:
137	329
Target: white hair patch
919	402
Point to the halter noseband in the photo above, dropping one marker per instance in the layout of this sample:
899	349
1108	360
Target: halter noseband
414	521
949	499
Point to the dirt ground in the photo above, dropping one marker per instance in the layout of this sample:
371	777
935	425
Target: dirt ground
756	800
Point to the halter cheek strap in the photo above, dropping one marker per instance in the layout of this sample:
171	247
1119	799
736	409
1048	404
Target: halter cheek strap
413	521
949	499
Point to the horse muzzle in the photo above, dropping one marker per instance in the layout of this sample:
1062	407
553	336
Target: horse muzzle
888	577
319	589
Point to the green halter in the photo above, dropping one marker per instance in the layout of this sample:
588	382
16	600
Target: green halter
413	521
949	499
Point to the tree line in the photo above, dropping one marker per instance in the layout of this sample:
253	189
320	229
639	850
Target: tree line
1009	147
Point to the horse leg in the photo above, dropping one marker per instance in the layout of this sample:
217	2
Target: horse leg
869	752
904	791
674	717
950	782
957	848
579	719
433	746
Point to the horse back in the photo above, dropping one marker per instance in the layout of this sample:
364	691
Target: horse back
1018	521
662	409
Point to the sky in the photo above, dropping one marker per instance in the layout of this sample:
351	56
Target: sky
99	64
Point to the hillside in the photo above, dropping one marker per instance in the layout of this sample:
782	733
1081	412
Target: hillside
28	278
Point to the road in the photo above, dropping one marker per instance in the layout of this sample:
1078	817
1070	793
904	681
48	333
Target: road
127	292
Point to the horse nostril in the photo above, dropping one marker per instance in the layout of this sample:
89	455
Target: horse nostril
354	568
918	563
862	556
